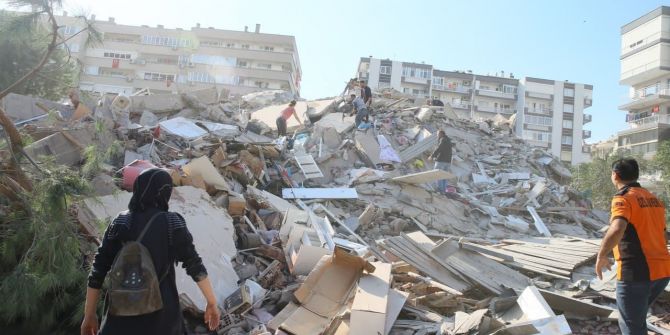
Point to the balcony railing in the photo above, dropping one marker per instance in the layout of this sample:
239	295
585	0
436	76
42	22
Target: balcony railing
651	120
649	39
586	133
588	118
496	110
588	102
496	94
640	69
457	89
540	110
586	149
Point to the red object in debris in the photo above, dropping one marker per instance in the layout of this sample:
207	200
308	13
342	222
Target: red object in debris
132	170
115	63
157	132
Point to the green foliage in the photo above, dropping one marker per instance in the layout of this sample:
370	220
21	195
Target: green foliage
94	158
22	44
661	163
593	179
41	264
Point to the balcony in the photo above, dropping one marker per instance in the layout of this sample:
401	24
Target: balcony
649	122
588	102
496	110
642	99
586	149
460	106
496	94
456	89
540	110
538	95
588	118
643	72
586	133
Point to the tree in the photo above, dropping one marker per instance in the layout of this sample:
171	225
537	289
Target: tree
21	49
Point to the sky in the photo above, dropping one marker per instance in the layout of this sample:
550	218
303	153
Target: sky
571	40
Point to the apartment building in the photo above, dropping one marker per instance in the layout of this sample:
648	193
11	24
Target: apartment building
131	58
549	113
645	67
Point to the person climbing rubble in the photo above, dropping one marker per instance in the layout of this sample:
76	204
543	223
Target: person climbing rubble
284	116
442	157
360	109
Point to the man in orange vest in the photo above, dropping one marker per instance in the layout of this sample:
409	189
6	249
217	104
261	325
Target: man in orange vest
637	236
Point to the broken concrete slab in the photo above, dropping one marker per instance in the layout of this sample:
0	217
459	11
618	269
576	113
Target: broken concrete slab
319	193
156	103
419	148
367	144
207	96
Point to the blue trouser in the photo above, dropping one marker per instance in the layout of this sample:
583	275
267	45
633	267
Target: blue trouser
360	115
633	298
442	184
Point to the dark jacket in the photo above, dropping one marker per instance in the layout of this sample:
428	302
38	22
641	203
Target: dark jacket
443	151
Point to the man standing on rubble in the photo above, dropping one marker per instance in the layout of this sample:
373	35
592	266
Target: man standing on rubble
366	93
442	157
284	116
360	109
637	236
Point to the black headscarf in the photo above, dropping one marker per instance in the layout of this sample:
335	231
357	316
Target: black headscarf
152	189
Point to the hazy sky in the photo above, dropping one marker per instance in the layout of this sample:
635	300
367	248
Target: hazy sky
572	40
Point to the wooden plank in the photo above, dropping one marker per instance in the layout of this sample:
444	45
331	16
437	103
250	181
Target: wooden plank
547	254
319	193
424	177
539	224
536	260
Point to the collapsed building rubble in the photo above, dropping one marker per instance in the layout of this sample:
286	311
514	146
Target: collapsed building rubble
337	230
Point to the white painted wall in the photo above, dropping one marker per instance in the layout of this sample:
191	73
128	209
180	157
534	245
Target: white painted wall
396	75
373	73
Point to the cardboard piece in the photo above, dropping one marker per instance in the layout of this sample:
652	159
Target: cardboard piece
323	295
368	311
396	301
202	167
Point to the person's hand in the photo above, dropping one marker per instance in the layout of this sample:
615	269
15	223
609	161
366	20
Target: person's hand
212	316
90	325
602	262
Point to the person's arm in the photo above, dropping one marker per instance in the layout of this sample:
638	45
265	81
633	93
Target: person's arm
437	150
612	238
102	262
185	252
90	324
212	313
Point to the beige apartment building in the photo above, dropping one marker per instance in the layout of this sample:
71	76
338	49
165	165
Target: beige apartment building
549	113
133	58
645	67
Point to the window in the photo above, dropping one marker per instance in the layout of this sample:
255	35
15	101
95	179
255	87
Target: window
566	139
155	76
438	81
540	136
230	45
264	66
116	55
261	84
245	46
509	89
384	69
170	41
68	30
484	87
568	108
213	60
538	120
569	92
567	124
268	48
242	63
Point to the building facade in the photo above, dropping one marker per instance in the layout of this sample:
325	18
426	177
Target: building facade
645	67
132	58
549	113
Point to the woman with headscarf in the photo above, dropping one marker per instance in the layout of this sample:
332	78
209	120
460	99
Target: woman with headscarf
168	241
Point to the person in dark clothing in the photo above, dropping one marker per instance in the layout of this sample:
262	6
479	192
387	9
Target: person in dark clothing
442	157
435	102
366	95
168	241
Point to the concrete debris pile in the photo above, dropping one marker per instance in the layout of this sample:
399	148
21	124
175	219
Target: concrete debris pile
341	230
